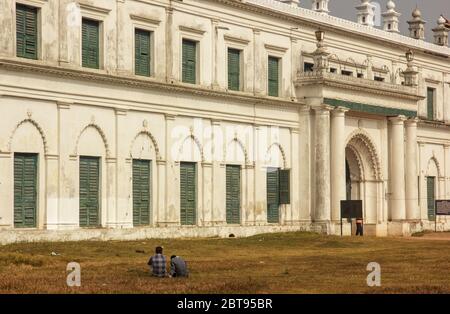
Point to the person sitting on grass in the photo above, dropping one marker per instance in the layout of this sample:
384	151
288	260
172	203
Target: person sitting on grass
178	267
157	263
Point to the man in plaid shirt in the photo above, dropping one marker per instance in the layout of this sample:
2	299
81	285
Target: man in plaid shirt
158	263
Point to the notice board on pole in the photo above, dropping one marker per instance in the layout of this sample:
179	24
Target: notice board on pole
351	209
443	207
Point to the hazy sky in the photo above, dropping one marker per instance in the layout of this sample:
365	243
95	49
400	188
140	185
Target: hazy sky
431	9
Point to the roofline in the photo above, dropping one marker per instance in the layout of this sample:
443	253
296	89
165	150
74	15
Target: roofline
325	21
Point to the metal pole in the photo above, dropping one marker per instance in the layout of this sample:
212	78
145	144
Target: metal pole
435	216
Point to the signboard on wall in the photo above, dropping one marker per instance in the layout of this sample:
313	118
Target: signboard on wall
351	209
443	207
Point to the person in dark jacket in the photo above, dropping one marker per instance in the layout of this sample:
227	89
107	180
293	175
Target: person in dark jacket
359	227
178	267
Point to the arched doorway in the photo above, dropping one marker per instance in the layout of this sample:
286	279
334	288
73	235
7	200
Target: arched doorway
363	176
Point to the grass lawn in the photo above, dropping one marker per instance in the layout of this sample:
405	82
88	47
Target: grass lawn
276	263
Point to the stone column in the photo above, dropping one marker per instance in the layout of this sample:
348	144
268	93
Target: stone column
123	45
397	162
248	209
7	190
68	182
446	92
338	183
124	207
447	170
258	71
208	185
51	209
322	212
304	160
111	212
411	184
215	53
7	10
161	203
295	60
169	45
172	209
63	31
260	197
218	173
295	178
422	183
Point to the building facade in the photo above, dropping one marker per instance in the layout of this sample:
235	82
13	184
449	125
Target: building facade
127	119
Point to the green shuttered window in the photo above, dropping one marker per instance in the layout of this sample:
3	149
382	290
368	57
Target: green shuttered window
278	192
431	190
285	195
26	32
274	75
234	69
273	195
90	44
233	194
430	103
89	191
25	190
188	191
189	61
141	192
142	52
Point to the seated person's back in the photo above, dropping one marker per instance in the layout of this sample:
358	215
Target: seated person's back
158	263
178	267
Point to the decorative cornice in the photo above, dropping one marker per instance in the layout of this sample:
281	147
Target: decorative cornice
432	81
275	48
63	105
138	82
433	124
51	157
192	30
95	9
121	111
110	160
240	41
38	3
400	119
143	19
5	154
359	84
170	117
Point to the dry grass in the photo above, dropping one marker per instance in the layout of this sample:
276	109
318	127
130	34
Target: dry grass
277	263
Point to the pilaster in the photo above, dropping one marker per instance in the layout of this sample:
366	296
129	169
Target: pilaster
304	161
338	183
322	209
397	166
172	209
411	184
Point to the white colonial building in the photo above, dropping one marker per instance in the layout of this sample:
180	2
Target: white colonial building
126	119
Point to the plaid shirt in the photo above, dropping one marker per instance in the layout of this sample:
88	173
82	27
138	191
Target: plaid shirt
158	264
